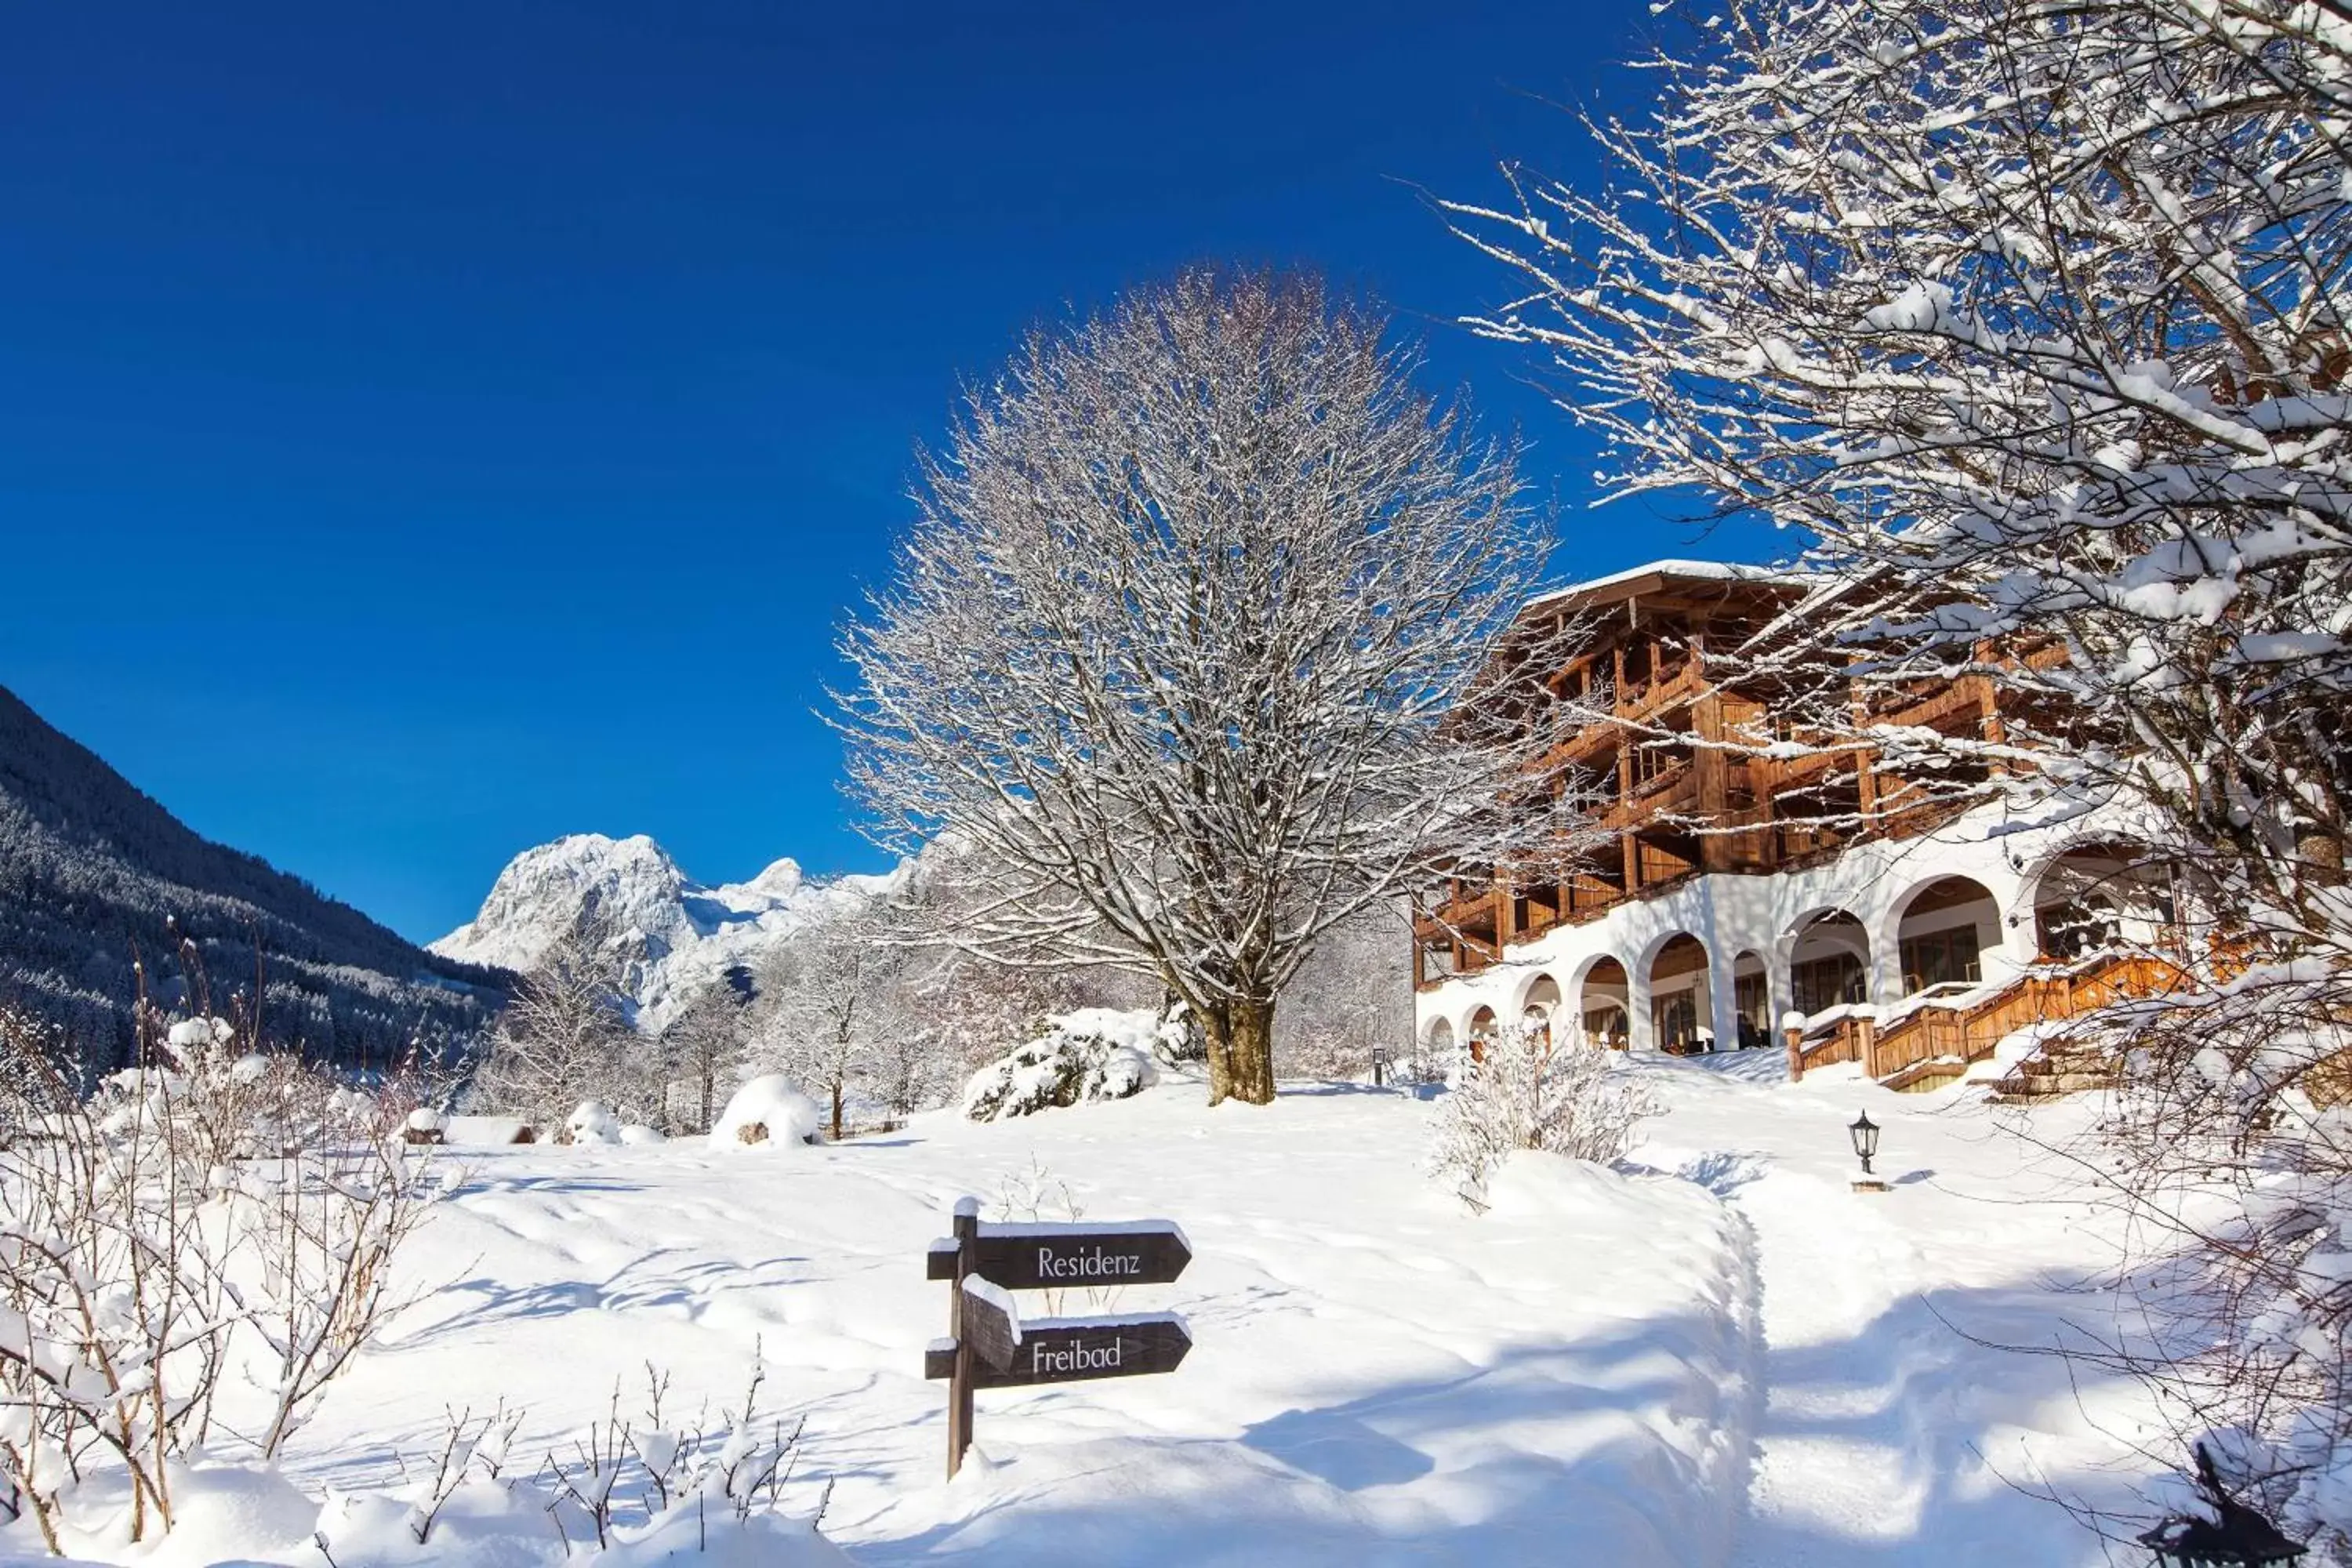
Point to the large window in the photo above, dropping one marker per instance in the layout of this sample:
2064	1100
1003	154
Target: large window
1751	999
1676	1019
1941	958
1821	983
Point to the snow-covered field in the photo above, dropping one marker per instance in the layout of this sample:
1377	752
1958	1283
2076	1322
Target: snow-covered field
1732	1360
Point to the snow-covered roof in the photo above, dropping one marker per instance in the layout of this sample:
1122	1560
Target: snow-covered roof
1686	571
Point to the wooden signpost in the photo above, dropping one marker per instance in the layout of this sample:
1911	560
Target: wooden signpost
988	1345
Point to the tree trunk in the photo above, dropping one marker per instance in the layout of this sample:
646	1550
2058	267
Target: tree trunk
1241	1051
1212	1027
837	1111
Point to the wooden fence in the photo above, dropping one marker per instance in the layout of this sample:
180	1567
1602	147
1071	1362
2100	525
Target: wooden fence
1961	1033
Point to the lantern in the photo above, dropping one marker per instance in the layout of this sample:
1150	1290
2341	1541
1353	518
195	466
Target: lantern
1865	1139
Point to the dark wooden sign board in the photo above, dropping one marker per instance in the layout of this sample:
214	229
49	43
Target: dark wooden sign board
1069	1350
1060	1256
988	1346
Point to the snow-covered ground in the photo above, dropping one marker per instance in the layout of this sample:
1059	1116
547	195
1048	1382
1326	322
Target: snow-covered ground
1732	1360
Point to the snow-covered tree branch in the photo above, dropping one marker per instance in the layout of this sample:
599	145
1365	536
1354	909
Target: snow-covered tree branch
2030	322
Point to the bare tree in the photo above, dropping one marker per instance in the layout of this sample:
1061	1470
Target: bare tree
1172	645
1350	998
2033	321
830	1013
565	1038
710	1030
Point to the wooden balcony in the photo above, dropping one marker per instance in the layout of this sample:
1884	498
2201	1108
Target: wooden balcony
1684	683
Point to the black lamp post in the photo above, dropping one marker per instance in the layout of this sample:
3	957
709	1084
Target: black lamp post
2236	1537
1865	1139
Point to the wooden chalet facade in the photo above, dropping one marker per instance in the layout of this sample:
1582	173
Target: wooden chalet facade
1732	886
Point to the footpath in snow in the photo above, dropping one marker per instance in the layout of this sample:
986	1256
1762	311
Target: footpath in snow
1905	1417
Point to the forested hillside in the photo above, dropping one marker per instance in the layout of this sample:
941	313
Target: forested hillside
91	869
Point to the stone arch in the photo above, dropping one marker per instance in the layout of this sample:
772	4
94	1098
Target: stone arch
1604	1003
1439	1038
1539	1003
2096	894
1943	933
1829	960
1480	1031
1682	1007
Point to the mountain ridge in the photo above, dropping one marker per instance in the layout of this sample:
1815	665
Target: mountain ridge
681	936
92	868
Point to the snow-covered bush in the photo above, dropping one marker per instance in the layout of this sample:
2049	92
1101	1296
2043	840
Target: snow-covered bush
207	1237
1095	1052
1568	1100
716	1489
769	1110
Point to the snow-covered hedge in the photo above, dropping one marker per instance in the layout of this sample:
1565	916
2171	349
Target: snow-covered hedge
770	1109
1094	1053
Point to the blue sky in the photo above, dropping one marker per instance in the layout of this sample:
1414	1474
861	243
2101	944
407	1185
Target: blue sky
426	430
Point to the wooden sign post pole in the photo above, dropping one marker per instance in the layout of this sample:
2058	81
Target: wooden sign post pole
967	1233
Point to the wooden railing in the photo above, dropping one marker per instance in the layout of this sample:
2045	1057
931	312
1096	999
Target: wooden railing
1964	1032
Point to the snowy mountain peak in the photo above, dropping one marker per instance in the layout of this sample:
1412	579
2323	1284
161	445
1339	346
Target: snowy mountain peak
684	935
781	880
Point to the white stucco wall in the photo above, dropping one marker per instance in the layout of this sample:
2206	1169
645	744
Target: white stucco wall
1873	881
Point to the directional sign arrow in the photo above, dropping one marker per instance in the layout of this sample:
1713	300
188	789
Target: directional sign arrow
1073	1350
1057	1257
990	1323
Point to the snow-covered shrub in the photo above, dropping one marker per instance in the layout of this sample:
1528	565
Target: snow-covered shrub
628	1492
1095	1052
219	1221
1528	1093
769	1110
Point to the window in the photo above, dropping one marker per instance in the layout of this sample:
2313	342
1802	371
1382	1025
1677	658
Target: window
2080	926
1751	1000
1941	958
1821	983
1677	1020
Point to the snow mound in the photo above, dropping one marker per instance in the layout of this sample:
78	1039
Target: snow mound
1091	1054
232	1513
768	1109
591	1123
1536	1185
